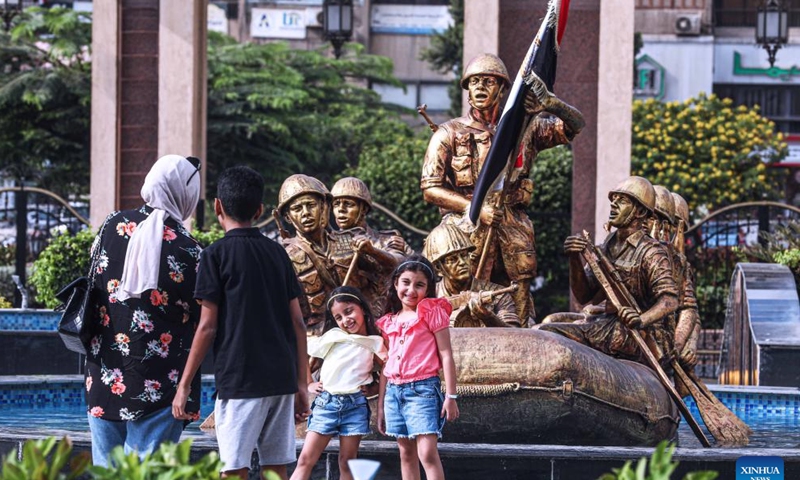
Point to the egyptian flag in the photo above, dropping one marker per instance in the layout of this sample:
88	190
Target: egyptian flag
503	157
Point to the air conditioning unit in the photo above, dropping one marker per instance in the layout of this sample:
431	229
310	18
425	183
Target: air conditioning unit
687	24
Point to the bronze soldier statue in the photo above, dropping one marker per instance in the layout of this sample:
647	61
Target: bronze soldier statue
351	204
379	252
687	330
454	159
475	304
305	203
644	266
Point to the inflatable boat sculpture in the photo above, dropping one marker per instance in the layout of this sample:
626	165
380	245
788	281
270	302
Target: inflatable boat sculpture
535	387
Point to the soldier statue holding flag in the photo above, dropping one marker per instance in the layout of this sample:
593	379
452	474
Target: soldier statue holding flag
504	237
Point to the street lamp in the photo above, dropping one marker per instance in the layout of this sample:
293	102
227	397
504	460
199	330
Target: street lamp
10	10
772	28
337	25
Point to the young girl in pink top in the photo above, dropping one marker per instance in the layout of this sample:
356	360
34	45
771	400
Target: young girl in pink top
412	406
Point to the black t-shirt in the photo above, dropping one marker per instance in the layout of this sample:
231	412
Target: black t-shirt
251	279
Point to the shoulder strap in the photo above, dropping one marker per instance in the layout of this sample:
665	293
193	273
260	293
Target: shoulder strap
96	253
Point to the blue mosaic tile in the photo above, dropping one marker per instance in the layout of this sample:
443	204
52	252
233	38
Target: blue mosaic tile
29	320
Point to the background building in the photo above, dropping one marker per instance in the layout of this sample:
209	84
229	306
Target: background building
694	46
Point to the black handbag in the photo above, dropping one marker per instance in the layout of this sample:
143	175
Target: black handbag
74	328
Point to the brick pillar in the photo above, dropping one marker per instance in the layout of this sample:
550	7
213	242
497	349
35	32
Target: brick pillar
148	93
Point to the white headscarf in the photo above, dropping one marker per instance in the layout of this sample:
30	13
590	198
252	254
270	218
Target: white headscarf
164	190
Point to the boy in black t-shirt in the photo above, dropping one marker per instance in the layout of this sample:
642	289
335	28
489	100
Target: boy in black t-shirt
251	312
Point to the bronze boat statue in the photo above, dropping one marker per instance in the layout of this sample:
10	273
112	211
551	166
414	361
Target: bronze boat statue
536	387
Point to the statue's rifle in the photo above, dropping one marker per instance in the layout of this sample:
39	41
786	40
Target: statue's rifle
486	296
620	297
422	110
277	216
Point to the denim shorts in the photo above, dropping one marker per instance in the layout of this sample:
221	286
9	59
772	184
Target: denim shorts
344	415
414	408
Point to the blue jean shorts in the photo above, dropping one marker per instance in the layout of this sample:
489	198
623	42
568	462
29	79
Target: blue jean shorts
344	415
414	408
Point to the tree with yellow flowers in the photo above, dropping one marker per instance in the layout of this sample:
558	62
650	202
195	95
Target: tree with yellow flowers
707	150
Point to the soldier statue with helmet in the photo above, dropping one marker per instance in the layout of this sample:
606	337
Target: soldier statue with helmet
305	203
378	252
645	269
476	303
687	330
454	158
351	204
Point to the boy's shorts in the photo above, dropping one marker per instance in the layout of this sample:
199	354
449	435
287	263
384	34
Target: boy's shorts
266	424
344	415
414	408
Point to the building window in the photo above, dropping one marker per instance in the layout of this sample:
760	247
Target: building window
742	13
779	103
433	94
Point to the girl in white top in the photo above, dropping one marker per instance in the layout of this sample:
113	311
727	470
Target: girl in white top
349	349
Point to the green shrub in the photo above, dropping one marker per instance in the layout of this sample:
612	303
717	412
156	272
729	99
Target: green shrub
209	236
658	467
66	258
170	462
50	459
44	460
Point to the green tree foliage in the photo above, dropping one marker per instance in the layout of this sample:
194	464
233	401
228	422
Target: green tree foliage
551	213
284	111
62	261
658	467
392	174
45	85
711	153
447	51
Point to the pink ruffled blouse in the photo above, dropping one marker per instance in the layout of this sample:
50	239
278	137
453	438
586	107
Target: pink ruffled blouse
413	353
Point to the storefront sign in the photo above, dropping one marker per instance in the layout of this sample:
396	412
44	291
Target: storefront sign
278	23
784	74
410	19
648	79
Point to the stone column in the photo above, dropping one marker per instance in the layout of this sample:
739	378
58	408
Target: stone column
148	93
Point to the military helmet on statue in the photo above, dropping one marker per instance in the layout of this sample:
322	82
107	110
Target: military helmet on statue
639	189
681	209
352	187
485	64
665	204
444	240
299	184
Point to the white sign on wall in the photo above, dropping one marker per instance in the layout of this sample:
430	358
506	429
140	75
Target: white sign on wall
747	64
410	19
217	21
278	23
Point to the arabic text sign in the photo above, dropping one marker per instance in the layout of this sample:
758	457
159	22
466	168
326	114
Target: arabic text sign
278	23
746	64
410	19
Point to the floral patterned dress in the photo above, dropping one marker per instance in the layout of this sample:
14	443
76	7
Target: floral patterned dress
141	345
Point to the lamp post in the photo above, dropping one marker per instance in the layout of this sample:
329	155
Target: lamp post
337	25
10	10
772	28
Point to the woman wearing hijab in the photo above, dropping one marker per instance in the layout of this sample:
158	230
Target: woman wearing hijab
146	315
